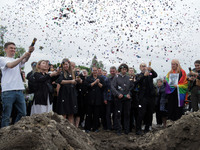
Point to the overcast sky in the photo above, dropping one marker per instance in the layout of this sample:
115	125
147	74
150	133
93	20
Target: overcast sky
117	31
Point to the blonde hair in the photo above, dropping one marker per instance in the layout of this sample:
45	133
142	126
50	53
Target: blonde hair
70	71
38	64
178	66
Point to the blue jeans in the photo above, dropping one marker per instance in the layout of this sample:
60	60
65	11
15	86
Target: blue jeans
9	99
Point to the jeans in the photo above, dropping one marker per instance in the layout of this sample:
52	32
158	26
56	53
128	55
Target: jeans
9	99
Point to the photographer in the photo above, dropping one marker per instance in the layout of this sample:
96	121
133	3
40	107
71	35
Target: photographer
195	89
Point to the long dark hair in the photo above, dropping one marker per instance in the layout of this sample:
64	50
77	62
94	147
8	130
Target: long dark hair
70	71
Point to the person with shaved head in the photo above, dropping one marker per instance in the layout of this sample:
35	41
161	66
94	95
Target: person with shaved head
146	96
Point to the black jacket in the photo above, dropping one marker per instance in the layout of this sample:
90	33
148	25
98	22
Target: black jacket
121	85
95	93
145	84
42	91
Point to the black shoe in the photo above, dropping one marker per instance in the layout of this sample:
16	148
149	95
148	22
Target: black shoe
97	130
87	131
139	132
146	131
126	132
118	133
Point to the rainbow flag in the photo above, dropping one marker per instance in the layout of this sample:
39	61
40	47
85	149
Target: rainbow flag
181	88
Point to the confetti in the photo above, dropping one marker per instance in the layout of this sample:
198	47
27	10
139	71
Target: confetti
115	31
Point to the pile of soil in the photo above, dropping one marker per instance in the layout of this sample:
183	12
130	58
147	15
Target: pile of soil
51	131
46	131
184	134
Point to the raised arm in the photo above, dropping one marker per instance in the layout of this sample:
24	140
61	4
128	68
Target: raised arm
31	49
16	62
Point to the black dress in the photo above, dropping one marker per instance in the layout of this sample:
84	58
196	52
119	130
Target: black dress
67	97
80	98
174	112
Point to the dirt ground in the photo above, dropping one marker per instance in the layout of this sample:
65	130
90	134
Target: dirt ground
50	131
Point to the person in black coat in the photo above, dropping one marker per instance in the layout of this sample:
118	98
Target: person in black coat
95	85
67	96
134	102
146	95
121	89
80	95
42	100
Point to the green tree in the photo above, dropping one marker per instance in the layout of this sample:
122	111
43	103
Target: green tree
57	65
96	63
135	71
86	68
3	30
19	50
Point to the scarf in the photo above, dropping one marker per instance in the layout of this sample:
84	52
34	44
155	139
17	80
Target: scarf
181	88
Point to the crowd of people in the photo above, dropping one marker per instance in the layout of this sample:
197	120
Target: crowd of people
121	101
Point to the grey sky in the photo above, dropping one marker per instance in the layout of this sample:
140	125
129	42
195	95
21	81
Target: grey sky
116	31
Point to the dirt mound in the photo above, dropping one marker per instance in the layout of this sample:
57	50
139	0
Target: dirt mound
51	131
184	134
46	131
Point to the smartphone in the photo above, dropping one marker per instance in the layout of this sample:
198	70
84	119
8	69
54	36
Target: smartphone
190	69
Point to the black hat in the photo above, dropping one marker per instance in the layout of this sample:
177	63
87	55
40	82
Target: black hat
123	66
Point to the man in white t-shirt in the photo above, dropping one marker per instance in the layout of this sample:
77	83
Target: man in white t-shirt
12	84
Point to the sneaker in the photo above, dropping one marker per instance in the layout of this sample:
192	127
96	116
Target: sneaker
83	124
150	128
143	127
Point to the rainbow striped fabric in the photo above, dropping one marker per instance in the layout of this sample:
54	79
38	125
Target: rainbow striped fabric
181	88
